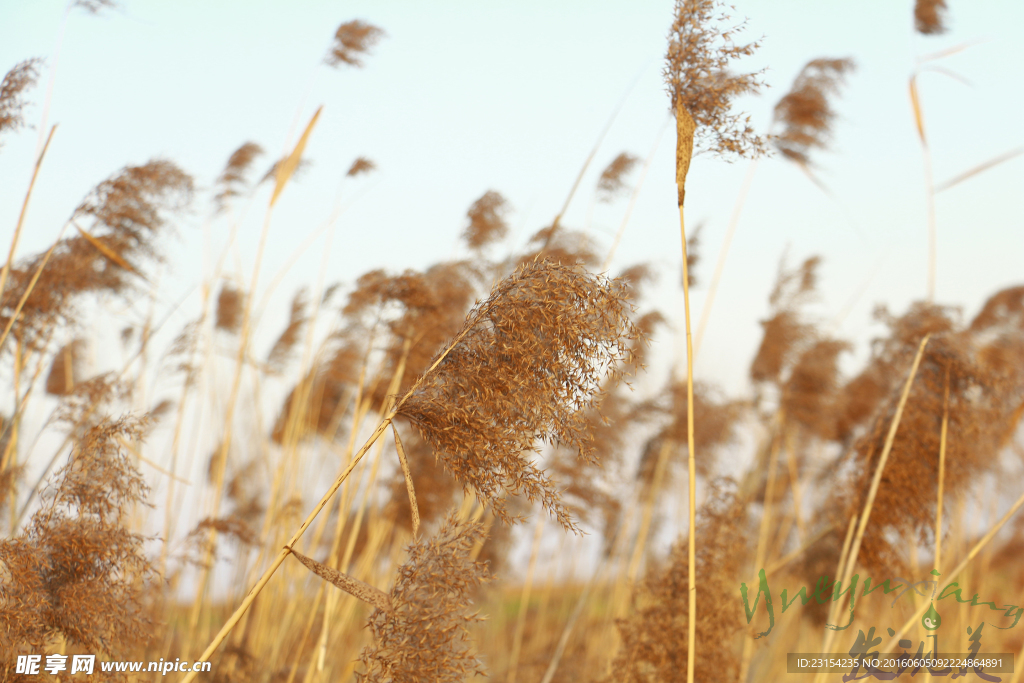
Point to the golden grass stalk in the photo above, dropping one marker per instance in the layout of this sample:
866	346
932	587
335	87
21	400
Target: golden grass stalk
685	128
978	547
524	602
21	216
875	482
1006	156
942	475
762	536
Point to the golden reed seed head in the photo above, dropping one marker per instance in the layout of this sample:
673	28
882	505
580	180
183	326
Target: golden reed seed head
423	636
19	79
929	17
612	181
351	40
527	366
232	179
486	220
805	111
360	166
698	78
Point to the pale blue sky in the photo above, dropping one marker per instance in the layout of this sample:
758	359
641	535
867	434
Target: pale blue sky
464	97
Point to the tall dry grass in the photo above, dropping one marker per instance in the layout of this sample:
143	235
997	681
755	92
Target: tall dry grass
486	391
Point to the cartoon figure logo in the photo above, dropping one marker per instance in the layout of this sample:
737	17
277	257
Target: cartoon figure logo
931	619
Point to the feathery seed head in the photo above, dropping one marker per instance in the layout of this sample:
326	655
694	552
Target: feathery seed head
526	366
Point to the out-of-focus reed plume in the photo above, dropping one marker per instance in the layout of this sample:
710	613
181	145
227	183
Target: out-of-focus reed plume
360	166
613	178
232	180
352	39
230	302
487	222
930	17
12	90
805	112
285	344
66	369
526	366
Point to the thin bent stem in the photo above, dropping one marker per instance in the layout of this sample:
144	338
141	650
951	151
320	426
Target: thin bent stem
734	221
21	216
876	481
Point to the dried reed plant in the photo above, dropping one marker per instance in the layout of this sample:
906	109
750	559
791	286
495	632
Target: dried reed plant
701	91
423	636
127	212
985	406
76	570
655	646
526	367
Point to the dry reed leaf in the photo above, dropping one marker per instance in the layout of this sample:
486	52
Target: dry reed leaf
526	366
108	252
978	169
407	473
287	167
353	587
915	101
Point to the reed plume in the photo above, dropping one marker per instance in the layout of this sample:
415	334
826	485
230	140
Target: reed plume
612	181
360	166
232	179
527	366
423	635
805	112
487	222
352	39
12	89
230	302
76	570
654	637
930	17
699	81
